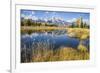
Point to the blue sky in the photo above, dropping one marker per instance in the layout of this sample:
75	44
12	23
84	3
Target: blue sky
67	16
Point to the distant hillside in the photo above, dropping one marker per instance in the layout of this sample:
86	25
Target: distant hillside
52	21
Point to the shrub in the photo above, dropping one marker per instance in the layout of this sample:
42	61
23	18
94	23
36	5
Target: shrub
82	48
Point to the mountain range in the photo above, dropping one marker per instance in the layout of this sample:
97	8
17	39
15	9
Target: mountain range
53	20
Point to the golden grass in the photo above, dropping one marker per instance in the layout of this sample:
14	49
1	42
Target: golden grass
29	29
42	28
63	54
82	48
80	33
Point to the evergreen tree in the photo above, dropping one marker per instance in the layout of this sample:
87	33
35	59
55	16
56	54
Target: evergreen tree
29	23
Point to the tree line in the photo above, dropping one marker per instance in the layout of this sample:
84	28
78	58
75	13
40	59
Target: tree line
80	24
28	22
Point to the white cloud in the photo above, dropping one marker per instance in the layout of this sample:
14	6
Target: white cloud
32	13
34	18
29	16
46	12
26	16
22	15
45	19
58	18
72	20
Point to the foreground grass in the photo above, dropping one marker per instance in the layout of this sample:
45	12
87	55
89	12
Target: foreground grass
60	55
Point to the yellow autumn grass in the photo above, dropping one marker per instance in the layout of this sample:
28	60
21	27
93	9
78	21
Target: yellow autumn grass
80	33
63	54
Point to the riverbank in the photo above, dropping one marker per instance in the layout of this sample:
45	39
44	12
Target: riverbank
80	33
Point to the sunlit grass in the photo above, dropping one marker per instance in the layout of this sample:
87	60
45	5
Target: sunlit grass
82	48
80	33
42	28
63	54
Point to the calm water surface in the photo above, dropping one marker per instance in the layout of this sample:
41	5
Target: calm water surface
56	39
